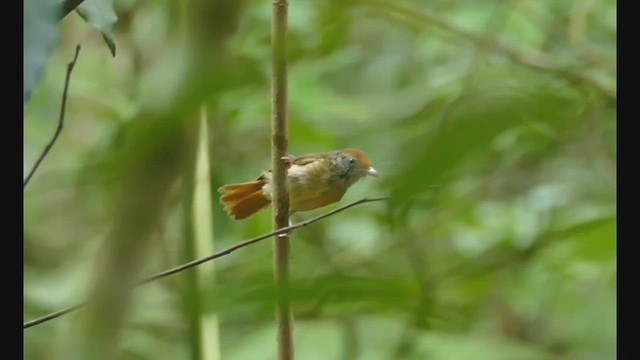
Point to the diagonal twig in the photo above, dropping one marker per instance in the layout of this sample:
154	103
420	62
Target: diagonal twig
217	255
60	121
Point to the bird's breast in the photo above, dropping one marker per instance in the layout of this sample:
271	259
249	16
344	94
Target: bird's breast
311	186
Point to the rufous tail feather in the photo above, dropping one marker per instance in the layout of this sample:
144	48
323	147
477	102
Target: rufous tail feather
243	200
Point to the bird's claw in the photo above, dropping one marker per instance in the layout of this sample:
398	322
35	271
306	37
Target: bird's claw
288	233
288	160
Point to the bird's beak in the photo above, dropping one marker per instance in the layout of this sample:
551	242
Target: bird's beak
371	171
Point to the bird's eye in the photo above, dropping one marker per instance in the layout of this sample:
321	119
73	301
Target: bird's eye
352	161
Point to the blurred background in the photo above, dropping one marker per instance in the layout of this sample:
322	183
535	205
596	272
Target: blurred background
491	122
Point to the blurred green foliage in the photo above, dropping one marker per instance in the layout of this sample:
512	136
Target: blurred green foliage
492	123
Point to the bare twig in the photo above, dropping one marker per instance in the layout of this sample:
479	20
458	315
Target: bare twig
53	315
60	121
217	255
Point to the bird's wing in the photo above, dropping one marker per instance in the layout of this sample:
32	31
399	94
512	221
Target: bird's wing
307	159
300	161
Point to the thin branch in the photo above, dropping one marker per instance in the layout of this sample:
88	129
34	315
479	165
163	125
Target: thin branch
217	255
53	315
70	67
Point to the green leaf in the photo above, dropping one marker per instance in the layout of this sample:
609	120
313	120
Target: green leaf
101	14
474	122
40	36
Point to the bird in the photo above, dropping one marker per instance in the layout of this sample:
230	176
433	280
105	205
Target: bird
313	181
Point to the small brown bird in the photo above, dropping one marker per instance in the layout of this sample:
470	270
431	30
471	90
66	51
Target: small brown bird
313	180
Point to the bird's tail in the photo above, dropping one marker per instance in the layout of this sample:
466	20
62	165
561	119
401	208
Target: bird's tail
243	200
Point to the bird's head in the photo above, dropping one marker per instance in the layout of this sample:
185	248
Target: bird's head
351	165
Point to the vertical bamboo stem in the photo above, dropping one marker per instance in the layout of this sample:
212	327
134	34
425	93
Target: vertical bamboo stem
279	149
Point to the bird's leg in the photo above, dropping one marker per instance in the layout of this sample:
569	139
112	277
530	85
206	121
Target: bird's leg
288	161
